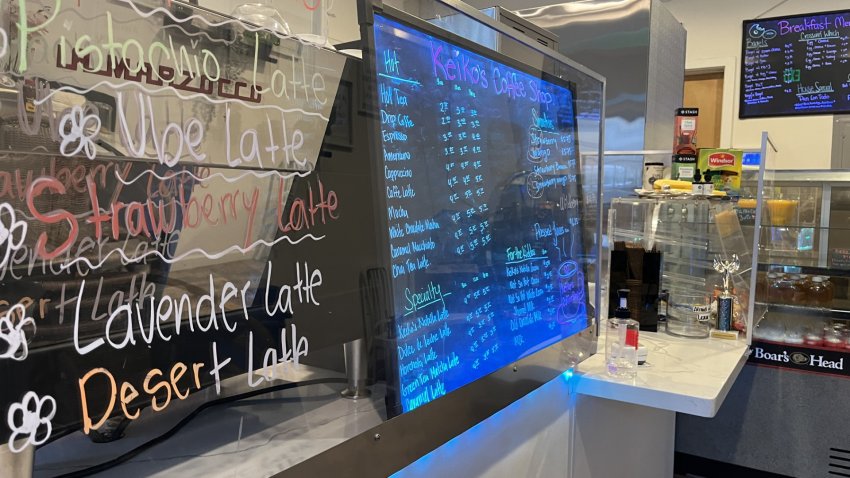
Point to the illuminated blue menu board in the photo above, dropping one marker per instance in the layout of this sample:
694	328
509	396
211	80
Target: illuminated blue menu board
796	65
483	206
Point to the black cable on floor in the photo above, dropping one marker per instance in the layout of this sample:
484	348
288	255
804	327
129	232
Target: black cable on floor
173	430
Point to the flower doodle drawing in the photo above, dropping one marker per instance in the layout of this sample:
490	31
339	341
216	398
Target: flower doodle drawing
30	418
77	127
13	337
12	233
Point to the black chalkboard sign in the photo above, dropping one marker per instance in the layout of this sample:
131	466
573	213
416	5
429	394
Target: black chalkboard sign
483	208
796	65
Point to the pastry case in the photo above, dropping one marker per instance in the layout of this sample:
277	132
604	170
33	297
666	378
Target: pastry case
802	290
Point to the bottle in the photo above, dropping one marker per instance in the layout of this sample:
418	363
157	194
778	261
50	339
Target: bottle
663	308
773	294
621	340
799	294
707	185
784	290
820	292
697	186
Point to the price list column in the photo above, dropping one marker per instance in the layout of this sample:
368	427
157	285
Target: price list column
463	153
761	74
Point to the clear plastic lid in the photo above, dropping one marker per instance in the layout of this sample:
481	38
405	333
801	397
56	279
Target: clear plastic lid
262	15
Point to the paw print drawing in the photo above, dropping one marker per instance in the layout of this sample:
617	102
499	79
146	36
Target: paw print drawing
77	127
29	418
12	233
13	337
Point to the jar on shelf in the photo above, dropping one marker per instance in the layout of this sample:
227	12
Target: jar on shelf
821	292
795	334
814	335
770	330
784	290
835	335
799	294
774	293
807	281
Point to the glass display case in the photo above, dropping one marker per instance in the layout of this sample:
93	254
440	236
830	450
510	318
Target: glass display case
803	280
665	249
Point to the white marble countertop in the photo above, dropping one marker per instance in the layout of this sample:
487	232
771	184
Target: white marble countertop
689	376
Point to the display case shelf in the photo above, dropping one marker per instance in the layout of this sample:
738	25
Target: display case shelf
839	310
813	270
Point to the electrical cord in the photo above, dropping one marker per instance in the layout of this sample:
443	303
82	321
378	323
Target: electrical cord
188	418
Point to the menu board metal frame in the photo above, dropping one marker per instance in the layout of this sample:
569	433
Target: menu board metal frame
403	439
497	57
741	104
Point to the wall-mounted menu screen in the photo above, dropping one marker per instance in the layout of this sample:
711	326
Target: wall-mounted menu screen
796	65
483	208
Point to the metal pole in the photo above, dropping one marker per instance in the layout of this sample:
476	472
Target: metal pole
356	369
